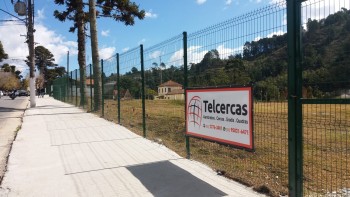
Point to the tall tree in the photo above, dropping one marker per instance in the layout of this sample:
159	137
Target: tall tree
11	69
43	59
3	55
75	12
52	74
120	10
8	81
6	67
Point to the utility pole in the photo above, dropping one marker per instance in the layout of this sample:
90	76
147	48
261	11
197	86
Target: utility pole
31	54
21	10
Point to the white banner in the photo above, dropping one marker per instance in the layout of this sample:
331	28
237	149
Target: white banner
221	114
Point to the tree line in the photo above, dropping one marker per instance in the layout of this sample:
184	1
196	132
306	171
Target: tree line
263	64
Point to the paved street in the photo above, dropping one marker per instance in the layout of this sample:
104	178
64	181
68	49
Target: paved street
11	112
64	151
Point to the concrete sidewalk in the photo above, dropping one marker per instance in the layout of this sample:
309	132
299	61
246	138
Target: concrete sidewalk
63	151
10	121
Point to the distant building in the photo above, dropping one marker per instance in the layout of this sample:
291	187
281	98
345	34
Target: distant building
170	90
126	95
89	82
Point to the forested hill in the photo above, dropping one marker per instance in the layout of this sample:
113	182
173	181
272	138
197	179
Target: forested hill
326	61
263	63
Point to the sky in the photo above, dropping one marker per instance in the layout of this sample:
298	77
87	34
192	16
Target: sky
164	20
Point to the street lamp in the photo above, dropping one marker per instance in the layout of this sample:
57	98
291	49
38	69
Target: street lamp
20	8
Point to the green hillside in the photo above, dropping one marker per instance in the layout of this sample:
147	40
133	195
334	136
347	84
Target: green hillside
263	63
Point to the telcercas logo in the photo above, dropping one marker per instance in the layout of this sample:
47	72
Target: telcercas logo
194	111
222	108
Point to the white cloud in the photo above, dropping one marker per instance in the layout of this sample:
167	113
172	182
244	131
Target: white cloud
40	14
126	49
195	54
150	14
258	1
228	2
107	52
277	33
270	35
155	54
315	10
226	52
105	33
199	2
141	41
54	42
274	1
284	22
17	49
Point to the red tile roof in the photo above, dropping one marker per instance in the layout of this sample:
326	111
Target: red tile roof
170	83
88	82
176	91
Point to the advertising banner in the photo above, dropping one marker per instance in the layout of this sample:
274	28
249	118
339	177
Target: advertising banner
222	115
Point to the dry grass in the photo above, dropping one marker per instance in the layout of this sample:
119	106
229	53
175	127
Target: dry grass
326	135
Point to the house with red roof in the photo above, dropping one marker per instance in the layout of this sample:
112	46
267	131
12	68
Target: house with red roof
170	90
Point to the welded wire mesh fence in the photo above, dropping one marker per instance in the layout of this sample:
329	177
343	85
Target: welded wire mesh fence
110	91
89	88
241	51
164	92
326	123
249	50
131	90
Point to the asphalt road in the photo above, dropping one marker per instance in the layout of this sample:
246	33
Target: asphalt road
12	108
11	113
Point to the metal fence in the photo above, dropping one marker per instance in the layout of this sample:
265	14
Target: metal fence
325	103
301	103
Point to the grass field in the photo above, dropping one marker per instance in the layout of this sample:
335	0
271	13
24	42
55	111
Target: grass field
326	139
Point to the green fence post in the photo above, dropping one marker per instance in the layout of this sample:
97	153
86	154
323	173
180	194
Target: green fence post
60	95
187	138
103	89
90	87
61	90
67	76
143	92
65	85
295	138
82	93
76	87
118	87
71	86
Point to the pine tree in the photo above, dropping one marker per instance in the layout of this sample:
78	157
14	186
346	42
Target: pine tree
75	12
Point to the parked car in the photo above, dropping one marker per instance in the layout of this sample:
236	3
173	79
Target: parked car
1	94
22	93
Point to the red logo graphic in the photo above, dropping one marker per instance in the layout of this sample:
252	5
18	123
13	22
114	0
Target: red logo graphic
194	111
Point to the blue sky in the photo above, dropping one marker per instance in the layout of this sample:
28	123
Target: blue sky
164	20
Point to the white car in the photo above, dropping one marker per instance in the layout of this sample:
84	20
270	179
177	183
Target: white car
1	94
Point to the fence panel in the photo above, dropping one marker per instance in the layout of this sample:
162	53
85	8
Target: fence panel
130	91
326	109
164	91
110	88
241	51
247	50
60	88
89	88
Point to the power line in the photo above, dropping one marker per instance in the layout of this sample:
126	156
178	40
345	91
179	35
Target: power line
8	12
8	20
13	24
